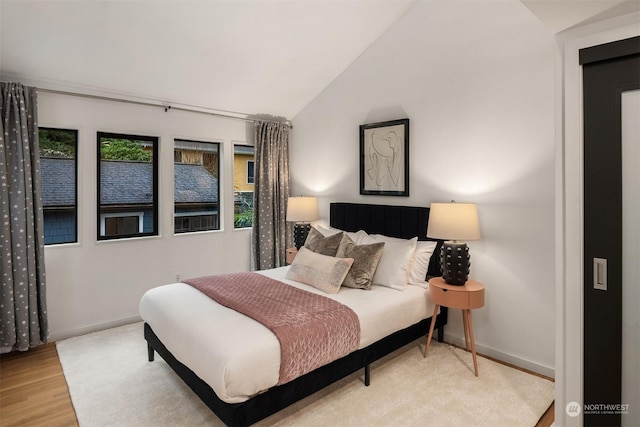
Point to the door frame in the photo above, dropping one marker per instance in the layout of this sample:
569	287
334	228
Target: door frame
569	207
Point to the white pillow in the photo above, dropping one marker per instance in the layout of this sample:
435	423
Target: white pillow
320	271
394	266
420	263
330	231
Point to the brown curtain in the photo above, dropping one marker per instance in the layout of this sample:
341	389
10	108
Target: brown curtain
271	191
23	308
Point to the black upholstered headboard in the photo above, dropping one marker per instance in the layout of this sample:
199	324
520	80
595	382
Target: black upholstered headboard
404	222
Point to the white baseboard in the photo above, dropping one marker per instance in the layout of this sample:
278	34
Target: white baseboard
70	333
504	357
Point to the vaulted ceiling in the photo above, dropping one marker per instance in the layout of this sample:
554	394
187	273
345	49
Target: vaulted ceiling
250	56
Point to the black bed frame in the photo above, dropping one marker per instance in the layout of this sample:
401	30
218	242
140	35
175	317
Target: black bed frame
395	221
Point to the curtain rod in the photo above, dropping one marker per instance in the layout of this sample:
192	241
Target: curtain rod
166	105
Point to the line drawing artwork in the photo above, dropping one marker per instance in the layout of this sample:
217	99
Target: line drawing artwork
385	158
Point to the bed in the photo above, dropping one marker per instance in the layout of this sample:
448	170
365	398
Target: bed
177	315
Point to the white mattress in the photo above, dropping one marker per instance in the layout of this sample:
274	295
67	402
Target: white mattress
239	357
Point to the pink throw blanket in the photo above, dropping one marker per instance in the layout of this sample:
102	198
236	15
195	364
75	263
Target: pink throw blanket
313	330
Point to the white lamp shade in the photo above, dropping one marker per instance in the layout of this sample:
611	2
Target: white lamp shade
302	209
453	221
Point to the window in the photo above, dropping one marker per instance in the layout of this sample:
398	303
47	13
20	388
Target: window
118	225
177	156
196	192
127	186
58	174
186	222
250	166
243	179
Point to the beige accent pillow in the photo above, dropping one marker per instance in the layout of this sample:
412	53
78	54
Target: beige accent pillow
320	244
320	271
365	261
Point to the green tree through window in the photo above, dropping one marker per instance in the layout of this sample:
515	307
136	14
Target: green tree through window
57	143
123	149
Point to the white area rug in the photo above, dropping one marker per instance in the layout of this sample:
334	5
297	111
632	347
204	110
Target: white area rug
112	384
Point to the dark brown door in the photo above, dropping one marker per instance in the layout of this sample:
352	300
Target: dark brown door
608	71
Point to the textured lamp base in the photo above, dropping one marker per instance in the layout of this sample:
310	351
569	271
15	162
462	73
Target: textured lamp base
455	263
300	233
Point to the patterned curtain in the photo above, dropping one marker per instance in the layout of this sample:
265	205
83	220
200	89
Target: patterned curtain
271	191
23	308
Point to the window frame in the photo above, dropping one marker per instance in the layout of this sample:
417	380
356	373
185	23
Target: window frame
75	192
246	170
217	213
155	143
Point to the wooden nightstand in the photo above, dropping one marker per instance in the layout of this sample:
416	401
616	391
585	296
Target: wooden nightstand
291	254
465	297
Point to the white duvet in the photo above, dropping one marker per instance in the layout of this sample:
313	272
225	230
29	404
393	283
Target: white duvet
239	357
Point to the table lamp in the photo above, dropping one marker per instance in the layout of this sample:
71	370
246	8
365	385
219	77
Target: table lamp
455	223
301	210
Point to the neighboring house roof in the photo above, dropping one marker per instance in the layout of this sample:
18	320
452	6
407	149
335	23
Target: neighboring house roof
125	183
181	144
58	176
194	184
244	149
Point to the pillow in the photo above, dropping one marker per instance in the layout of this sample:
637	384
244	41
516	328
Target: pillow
327	230
320	271
420	263
393	268
317	243
330	231
365	261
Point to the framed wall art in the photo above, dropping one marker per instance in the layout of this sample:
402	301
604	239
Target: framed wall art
384	158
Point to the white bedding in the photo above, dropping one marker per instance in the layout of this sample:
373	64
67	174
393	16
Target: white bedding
239	357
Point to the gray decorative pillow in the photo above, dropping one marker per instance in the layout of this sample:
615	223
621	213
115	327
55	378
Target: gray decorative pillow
318	243
365	262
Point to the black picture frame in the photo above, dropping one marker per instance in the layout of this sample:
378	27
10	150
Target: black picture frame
384	158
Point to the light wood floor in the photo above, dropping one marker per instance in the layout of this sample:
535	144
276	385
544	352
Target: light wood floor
33	391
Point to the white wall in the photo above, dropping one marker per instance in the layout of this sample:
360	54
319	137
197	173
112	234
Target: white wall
92	285
476	80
